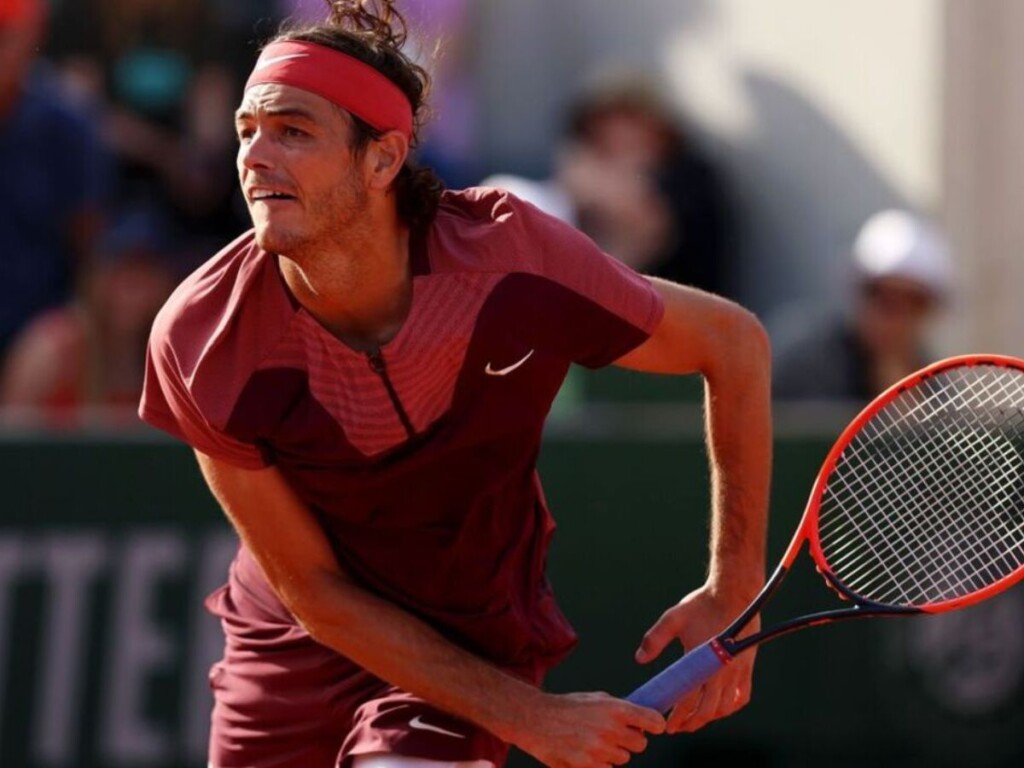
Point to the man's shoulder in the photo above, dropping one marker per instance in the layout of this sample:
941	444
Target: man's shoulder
473	205
490	208
489	229
226	309
207	290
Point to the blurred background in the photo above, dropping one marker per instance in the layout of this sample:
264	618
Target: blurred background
853	171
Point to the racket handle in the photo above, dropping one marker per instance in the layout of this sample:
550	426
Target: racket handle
670	685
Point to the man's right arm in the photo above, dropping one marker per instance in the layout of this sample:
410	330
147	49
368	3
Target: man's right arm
579	730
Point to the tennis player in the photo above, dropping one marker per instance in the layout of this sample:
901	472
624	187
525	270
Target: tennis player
364	377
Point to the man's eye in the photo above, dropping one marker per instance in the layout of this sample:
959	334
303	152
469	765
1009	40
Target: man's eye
244	134
294	132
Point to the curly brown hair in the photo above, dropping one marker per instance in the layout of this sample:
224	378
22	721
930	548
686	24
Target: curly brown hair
374	32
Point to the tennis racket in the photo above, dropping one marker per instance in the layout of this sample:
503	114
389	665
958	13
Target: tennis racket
918	508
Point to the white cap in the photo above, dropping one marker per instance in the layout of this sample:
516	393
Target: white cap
896	243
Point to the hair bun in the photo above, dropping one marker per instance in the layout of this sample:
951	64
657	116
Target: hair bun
378	19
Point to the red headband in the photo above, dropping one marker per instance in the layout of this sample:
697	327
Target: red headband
341	79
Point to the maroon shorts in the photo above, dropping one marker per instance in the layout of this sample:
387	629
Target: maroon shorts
281	700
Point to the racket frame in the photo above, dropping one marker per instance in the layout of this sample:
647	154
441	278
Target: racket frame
728	641
686	674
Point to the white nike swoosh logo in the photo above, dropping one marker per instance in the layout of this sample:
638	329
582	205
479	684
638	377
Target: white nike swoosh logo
506	371
264	63
417	722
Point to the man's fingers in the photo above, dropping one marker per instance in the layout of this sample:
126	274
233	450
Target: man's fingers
635	741
657	638
707	710
741	697
619	757
720	697
684	710
741	685
644	719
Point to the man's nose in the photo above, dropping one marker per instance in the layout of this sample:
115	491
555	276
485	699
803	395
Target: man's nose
256	152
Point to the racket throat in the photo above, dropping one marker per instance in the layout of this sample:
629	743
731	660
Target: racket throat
727	640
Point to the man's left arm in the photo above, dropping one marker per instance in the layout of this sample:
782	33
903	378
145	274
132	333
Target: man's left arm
706	334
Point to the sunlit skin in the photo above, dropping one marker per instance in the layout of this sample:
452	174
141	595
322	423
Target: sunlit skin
332	219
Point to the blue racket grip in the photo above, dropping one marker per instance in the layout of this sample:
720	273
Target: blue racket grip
670	685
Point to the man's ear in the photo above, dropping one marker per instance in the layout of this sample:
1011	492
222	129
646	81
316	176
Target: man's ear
384	159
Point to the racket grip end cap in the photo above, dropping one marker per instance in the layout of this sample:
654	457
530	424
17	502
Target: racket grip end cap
687	674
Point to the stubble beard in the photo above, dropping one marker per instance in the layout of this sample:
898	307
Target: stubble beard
330	221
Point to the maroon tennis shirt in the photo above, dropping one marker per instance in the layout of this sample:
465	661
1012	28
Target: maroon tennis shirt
420	460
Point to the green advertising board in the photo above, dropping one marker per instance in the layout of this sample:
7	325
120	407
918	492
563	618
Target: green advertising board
109	543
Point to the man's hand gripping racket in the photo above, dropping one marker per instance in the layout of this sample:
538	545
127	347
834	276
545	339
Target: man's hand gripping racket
918	508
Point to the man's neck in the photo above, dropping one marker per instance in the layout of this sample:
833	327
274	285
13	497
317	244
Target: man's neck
361	292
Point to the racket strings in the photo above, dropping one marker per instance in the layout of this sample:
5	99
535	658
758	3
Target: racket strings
947	547
958	553
969	547
926	503
1001	478
928	574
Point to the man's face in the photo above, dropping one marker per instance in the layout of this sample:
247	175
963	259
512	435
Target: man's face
302	181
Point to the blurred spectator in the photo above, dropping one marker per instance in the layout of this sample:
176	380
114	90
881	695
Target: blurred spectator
156	70
628	175
91	352
50	205
903	277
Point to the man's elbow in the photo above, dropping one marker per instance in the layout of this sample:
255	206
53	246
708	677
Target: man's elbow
756	338
746	347
318	602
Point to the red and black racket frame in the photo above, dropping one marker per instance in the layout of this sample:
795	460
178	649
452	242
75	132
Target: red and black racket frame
727	641
669	686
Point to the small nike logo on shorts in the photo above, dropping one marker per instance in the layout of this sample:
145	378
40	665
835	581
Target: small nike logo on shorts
417	722
506	371
264	63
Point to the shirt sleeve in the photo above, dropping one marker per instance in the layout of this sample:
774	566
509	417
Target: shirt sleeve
168	404
605	309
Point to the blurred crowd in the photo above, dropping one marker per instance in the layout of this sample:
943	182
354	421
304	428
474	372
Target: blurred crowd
119	151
